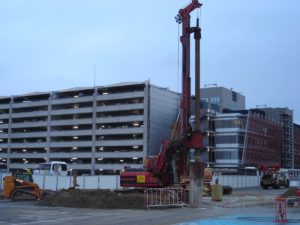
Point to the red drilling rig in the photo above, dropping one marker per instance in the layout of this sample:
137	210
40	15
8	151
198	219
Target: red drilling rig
183	148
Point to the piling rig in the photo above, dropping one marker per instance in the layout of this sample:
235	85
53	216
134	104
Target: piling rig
179	156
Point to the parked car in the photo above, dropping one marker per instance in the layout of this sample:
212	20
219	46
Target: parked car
52	168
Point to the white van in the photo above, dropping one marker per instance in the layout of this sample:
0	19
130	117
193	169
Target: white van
287	175
52	168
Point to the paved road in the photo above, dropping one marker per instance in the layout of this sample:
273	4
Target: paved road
29	213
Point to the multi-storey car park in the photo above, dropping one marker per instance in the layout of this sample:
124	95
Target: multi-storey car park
96	130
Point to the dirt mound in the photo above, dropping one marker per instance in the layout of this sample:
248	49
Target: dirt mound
94	199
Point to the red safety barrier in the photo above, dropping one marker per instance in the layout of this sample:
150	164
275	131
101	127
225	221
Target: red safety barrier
280	210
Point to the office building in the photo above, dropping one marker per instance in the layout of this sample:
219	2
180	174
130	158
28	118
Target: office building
245	138
284	115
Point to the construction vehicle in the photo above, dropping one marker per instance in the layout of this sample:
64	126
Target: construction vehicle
172	165
271	177
20	186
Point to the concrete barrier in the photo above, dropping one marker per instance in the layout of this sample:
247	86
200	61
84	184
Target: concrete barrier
294	183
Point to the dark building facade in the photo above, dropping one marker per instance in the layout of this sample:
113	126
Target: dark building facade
285	116
297	146
263	143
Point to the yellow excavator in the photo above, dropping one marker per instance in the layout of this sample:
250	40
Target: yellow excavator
20	186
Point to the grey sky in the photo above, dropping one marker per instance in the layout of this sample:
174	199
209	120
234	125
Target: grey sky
250	46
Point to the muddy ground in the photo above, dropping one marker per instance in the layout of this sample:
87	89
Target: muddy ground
76	198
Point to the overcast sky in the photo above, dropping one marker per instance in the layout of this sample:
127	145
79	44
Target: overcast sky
250	46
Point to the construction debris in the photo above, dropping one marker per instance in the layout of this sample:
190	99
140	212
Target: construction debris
292	195
291	192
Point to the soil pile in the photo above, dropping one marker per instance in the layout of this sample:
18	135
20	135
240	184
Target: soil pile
94	199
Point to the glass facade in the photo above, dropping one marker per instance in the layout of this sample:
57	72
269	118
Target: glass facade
204	103
215	103
231	123
246	139
230	139
234	154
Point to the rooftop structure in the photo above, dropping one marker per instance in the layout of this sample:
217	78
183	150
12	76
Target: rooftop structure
220	98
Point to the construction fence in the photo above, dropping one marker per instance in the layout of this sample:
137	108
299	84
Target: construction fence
237	181
113	182
48	182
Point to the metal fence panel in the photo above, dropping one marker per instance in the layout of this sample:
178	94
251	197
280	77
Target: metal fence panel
64	182
50	183
294	183
91	182
108	182
2	175
80	182
237	181
40	180
113	182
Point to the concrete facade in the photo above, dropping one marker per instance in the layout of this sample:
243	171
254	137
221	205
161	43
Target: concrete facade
96	130
220	98
164	110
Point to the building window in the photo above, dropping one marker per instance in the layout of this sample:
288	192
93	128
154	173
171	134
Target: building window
233	123
234	96
204	103
230	139
227	155
215	103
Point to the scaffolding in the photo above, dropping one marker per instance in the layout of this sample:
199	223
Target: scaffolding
287	155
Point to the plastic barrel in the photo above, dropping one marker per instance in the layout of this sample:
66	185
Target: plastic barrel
216	192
